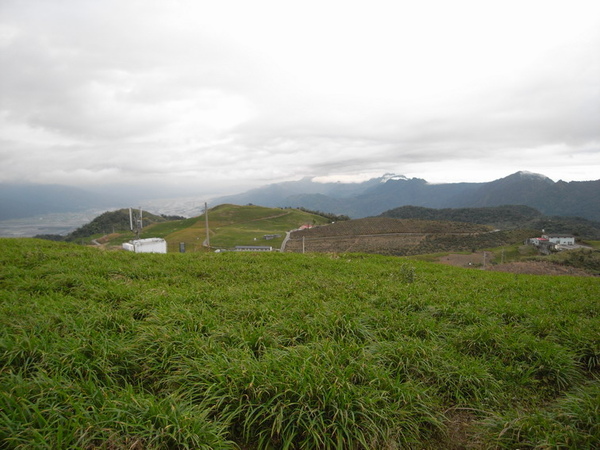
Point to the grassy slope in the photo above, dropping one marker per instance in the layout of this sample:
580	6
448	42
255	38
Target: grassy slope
232	225
126	350
378	235
229	225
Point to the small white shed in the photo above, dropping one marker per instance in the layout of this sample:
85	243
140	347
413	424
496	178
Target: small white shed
150	245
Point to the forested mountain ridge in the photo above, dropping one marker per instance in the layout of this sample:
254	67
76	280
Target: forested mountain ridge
113	221
371	198
505	217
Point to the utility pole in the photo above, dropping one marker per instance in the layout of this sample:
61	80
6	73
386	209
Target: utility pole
138	223
206	221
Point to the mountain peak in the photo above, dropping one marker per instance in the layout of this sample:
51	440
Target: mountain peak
392	176
524	174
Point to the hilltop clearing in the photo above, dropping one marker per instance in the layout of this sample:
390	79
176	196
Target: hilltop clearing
257	351
231	225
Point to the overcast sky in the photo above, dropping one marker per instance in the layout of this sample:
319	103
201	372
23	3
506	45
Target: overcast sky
223	95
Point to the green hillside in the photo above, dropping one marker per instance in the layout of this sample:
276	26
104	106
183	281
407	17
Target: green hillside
118	221
232	225
229	225
119	350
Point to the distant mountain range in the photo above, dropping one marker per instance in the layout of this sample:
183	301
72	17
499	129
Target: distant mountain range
356	200
375	196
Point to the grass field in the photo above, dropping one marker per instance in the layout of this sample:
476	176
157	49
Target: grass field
246	225
117	350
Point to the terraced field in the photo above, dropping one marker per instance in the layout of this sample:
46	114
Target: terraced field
399	237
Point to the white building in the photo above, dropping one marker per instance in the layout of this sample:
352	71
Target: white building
560	239
150	245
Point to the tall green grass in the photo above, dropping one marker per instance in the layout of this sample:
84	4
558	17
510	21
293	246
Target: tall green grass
123	350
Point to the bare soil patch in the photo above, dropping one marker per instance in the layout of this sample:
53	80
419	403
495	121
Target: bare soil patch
459	426
539	268
107	237
476	260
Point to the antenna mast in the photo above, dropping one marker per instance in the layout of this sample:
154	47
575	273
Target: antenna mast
141	224
138	223
206	221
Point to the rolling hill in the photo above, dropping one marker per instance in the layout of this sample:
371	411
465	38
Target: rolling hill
229	225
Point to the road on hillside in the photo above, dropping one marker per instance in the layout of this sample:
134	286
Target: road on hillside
285	240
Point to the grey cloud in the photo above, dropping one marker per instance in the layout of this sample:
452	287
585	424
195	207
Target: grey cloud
153	90
86	73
